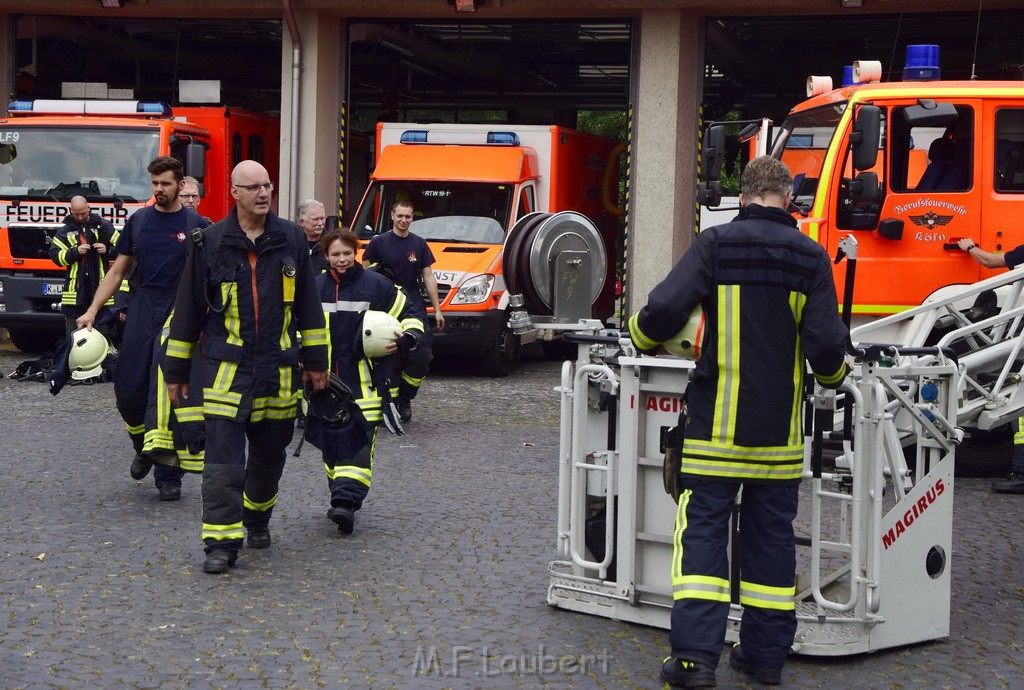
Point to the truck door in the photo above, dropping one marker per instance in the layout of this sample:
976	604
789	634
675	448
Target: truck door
1003	177
929	189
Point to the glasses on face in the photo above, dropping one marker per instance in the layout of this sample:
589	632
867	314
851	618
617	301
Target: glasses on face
189	196
255	188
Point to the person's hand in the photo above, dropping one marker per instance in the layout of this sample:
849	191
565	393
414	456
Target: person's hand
965	243
438	320
86	320
317	378
177	392
83	249
100	247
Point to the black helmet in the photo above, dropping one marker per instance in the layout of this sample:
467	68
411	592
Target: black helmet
333	405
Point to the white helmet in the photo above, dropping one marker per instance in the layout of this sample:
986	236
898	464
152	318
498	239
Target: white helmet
88	350
379	329
687	342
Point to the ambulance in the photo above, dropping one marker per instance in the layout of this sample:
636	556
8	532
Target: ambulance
53	150
498	204
907	168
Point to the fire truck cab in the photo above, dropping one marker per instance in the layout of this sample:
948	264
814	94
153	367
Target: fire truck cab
51	151
908	168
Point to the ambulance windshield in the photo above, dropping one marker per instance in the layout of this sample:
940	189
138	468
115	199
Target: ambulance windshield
443	210
802	143
57	163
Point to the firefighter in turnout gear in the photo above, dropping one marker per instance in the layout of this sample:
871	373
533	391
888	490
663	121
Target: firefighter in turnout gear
84	245
769	299
248	291
347	291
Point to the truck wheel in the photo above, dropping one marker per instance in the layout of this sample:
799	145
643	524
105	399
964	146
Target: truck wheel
34	342
503	355
986	453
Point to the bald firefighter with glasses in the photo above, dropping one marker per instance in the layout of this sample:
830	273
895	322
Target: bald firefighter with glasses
249	292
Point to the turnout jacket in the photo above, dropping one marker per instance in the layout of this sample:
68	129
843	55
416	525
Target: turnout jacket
85	272
247	301
770	302
345	299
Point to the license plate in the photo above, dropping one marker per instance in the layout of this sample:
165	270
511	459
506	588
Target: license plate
49	289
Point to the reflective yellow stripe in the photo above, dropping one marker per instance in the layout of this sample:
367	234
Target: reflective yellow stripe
135	430
1018	437
638	336
359	474
677	539
797	301
232	321
223	532
765	597
314	336
287	288
285	340
832	378
188	414
260	507
412	380
723	425
398	306
180	349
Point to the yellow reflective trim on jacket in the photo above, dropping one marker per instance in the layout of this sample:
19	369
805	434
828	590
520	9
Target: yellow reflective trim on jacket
639	338
261	507
191	463
223	532
184	415
362	475
221	388
723	426
832	379
180	349
398	306
797	302
232	321
766	597
285	341
135	430
288	287
314	337
740	470
1018	437
414	381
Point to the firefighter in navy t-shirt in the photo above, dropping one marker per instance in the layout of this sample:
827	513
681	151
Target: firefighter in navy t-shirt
408	258
161	233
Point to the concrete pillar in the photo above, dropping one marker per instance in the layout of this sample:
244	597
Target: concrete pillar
7	50
663	189
323	42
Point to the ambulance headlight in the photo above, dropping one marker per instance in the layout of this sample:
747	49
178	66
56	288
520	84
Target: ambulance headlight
474	291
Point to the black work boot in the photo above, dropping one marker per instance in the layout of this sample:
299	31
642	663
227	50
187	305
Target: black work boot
762	674
404	409
681	673
1012	483
169	491
259	538
141	466
219	561
344	517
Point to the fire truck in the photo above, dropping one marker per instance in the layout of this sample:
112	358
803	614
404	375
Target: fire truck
907	167
53	150
518	219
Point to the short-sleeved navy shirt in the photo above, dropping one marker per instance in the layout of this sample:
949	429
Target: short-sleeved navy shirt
1014	257
163	244
405	257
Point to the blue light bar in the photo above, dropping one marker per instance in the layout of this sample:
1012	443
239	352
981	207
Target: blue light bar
504	138
414	136
848	75
922	63
20	106
154	108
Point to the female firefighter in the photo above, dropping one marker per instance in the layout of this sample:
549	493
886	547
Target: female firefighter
348	292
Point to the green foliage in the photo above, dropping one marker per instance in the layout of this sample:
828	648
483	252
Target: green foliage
606	123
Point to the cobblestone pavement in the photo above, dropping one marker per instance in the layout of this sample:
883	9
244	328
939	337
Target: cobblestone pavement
442	585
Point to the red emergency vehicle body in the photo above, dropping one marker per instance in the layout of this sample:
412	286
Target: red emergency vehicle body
938	180
51	151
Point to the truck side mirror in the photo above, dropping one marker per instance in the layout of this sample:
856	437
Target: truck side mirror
709	193
864	138
712	153
195	161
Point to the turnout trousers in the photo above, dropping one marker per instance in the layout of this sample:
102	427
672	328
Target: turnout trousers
239	493
410	368
700	570
348	460
148	309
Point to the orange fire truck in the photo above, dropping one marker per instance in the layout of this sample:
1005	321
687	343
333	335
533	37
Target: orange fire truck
498	204
906	168
51	151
